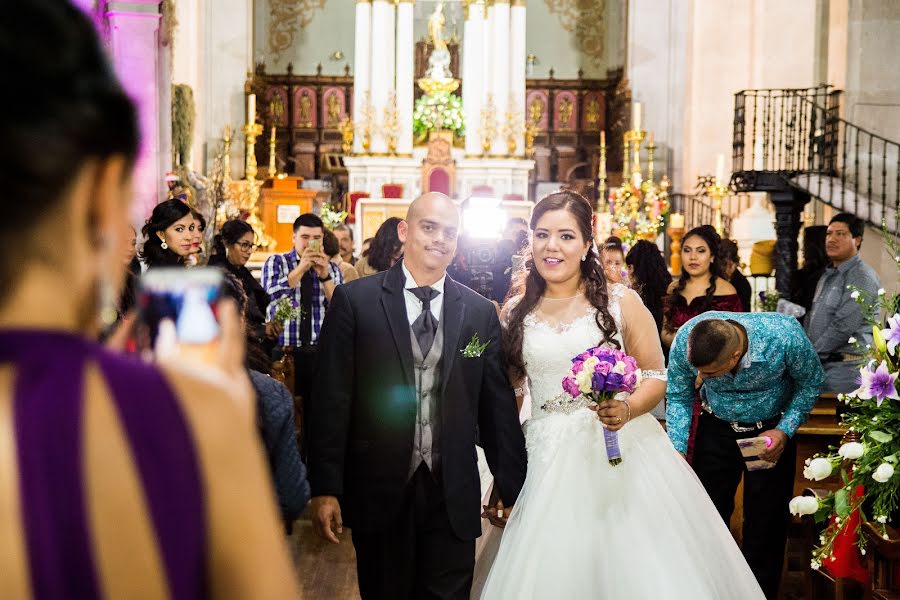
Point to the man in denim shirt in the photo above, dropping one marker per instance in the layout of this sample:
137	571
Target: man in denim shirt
760	377
835	318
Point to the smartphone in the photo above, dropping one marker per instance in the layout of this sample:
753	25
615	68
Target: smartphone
315	245
178	310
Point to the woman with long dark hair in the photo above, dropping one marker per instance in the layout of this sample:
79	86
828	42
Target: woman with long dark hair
701	287
385	250
582	527
121	479
649	276
169	235
815	260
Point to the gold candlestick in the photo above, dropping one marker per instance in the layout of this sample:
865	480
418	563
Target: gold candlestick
273	168
717	192
676	234
251	132
226	158
651	149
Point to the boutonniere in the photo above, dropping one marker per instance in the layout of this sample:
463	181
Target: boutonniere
474	348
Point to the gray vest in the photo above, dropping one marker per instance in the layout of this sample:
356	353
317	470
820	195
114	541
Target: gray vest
426	443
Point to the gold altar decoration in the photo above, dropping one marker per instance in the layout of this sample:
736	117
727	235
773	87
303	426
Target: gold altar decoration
512	128
488	124
530	130
639	207
346	128
273	168
390	124
716	190
366	123
587	20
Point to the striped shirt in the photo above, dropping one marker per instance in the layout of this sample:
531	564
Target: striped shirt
275	281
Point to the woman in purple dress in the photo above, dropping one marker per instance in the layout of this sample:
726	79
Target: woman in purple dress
117	479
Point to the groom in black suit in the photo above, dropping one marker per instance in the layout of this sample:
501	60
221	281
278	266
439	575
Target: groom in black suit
402	395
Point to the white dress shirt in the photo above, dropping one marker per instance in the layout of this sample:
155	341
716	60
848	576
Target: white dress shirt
414	304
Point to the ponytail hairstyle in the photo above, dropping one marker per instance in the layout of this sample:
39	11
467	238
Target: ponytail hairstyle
529	285
163	216
71	110
229	234
709	235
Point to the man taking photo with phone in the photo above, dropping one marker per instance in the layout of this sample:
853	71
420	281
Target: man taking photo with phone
307	278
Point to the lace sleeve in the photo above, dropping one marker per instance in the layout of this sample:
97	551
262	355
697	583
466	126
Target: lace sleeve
641	336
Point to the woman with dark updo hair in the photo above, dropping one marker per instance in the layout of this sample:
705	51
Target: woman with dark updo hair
578	503
120	478
169	235
233	246
649	277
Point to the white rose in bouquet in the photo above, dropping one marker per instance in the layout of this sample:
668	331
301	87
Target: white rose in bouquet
803	505
883	473
818	469
851	450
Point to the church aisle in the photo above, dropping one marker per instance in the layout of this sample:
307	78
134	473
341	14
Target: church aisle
325	570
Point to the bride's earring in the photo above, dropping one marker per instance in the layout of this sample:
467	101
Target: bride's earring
164	245
583	257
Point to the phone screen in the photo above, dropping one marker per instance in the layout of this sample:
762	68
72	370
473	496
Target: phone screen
178	311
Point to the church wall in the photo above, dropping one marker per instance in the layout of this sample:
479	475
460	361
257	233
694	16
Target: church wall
687	61
872	93
562	35
227	48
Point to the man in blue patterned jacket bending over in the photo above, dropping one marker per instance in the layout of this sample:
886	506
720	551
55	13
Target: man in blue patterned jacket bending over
759	377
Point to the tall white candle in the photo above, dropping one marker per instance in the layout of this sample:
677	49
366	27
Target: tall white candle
636	117
720	168
251	109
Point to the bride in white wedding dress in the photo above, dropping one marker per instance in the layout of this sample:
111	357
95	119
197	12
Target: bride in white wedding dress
582	528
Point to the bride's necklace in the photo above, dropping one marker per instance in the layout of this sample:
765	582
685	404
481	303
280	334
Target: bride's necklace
566	298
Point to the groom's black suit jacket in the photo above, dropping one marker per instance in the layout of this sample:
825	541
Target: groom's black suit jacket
362	416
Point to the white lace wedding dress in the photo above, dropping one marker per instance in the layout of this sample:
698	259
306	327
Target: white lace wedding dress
585	530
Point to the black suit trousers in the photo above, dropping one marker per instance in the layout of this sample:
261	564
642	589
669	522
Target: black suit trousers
719	465
417	557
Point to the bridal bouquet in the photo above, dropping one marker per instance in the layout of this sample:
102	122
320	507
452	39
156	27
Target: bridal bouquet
599	374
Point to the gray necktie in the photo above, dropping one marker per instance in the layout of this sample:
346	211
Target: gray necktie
425	325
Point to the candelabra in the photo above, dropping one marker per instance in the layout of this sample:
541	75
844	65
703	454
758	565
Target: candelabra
530	130
717	191
365	125
390	125
226	158
273	168
346	128
512	129
639	207
251	132
488	124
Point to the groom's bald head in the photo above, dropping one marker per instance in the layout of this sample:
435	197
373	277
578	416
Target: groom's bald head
429	233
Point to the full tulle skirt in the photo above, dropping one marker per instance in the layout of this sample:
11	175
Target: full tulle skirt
584	529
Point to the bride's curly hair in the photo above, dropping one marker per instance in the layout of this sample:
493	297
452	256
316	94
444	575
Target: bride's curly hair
529	286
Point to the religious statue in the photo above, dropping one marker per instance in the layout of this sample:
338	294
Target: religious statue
536	112
276	108
334	110
592	114
305	117
439	61
565	112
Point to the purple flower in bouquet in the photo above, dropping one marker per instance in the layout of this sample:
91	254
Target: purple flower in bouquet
880	384
892	334
599	374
